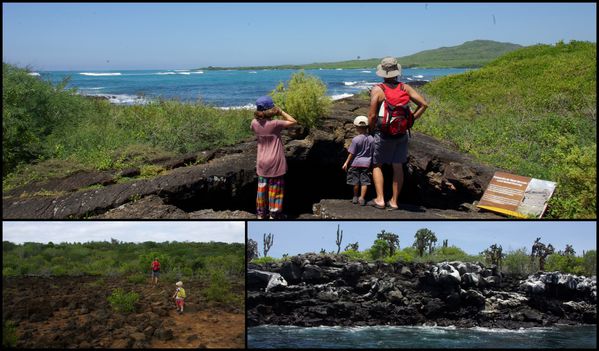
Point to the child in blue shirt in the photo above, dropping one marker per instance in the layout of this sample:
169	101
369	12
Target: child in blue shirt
359	160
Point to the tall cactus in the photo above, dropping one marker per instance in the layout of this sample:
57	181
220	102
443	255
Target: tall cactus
268	241
339	239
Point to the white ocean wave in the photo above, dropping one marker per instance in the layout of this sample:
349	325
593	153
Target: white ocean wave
122	99
350	83
419	76
99	74
339	69
252	72
366	71
408	78
244	107
341	96
95	88
197	72
164	73
34	74
521	330
185	73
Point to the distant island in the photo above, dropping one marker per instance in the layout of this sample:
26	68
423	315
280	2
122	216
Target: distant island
471	54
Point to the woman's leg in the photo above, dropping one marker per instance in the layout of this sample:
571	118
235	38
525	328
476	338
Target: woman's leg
262	198
275	195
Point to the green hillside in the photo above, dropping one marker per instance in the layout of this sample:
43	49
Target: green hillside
470	54
531	111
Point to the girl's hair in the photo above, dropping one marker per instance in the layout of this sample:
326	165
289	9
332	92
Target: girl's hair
267	114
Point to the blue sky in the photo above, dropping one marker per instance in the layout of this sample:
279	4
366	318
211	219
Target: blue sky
472	237
128	231
187	35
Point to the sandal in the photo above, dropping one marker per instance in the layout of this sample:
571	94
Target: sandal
391	208
355	200
375	205
361	202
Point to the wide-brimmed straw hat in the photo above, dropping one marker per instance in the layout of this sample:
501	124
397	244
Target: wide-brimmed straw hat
179	283
388	68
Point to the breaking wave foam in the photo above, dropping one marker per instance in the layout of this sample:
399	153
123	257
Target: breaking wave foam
93	74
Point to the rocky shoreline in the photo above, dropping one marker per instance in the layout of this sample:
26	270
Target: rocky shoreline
315	290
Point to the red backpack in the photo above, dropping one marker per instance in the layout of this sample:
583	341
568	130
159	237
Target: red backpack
395	117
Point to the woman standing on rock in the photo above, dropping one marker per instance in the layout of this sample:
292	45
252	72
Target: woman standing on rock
271	165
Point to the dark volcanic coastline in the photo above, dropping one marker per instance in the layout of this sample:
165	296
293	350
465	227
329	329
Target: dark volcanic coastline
314	290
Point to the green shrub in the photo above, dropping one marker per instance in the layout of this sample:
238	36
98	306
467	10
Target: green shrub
354	255
517	262
304	98
9	334
264	260
123	302
219	289
379	249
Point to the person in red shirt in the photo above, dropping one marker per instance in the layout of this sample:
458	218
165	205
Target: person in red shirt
155	270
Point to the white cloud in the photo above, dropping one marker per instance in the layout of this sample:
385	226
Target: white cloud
128	231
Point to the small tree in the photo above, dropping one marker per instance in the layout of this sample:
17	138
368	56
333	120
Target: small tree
494	255
379	249
391	239
339	239
252	250
268	241
424	238
541	251
569	251
445	243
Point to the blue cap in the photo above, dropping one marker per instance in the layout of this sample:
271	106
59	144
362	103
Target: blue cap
264	103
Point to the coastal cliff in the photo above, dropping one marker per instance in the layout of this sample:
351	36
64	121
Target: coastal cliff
312	290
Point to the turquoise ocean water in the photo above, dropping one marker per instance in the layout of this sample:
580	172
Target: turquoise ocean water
221	88
421	337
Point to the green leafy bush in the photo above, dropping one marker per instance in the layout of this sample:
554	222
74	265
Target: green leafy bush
123	302
517	262
354	255
219	289
379	249
304	98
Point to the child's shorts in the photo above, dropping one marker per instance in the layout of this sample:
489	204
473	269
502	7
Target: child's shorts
358	176
180	303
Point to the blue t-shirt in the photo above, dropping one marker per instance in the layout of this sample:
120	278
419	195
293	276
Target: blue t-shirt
362	148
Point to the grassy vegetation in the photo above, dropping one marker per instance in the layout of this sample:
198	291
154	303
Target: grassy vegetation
179	261
533	112
469	54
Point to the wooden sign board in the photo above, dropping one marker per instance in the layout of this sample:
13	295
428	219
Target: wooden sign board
517	196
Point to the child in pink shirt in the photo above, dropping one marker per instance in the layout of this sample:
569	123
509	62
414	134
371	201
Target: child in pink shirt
271	165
